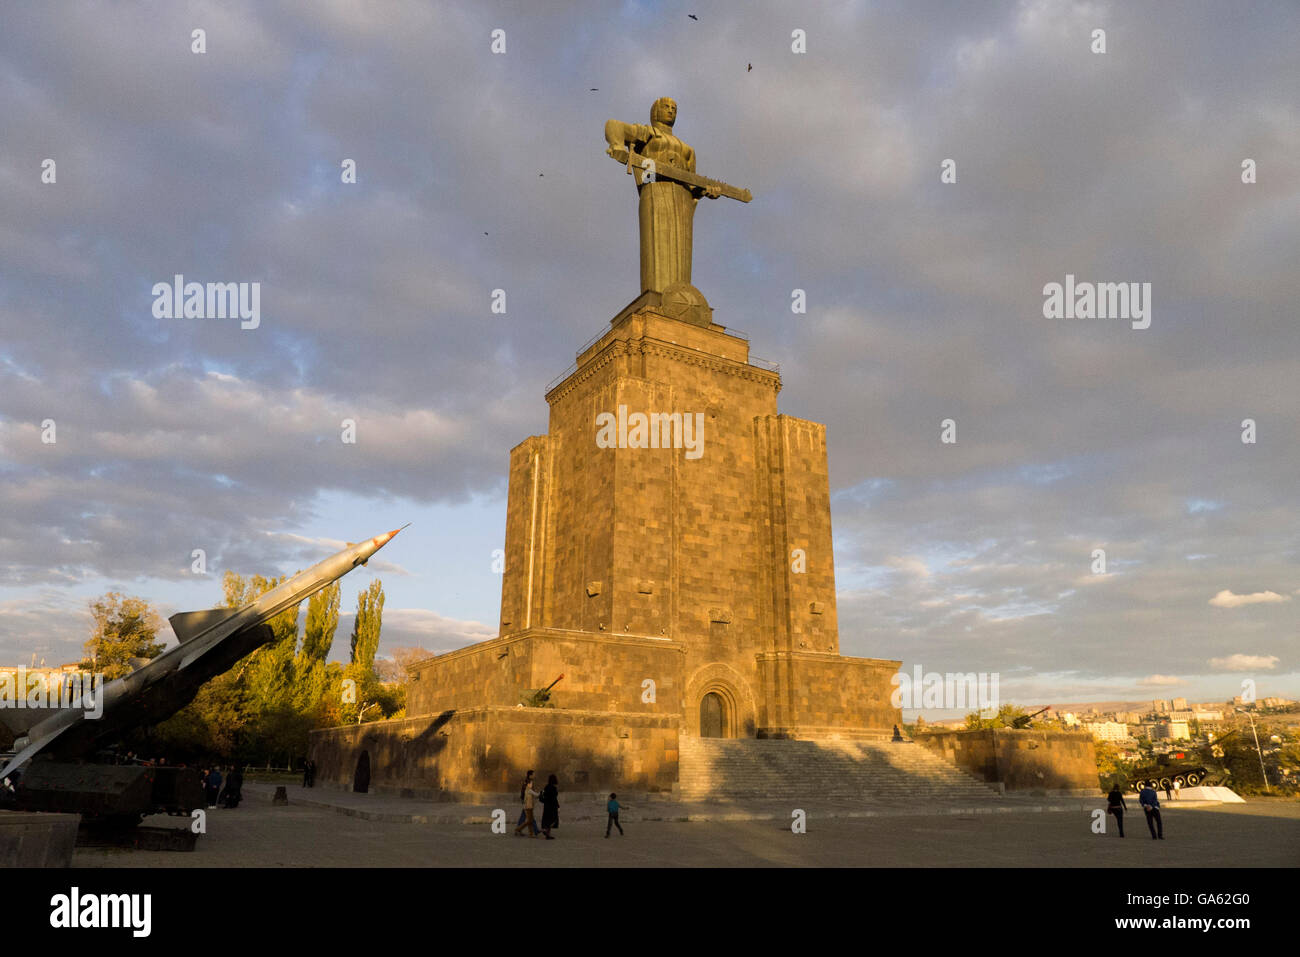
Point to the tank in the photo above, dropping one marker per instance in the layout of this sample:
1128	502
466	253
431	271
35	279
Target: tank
1162	776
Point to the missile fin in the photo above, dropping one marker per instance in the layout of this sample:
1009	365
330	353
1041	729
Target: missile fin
187	624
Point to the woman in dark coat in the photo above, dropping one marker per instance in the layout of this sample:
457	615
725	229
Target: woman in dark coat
550	806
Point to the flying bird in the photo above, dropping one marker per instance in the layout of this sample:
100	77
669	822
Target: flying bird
751	68
594	89
692	16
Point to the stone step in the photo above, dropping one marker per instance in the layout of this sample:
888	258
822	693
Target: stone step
746	768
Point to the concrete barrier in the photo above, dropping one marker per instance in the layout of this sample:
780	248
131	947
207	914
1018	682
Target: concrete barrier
32	839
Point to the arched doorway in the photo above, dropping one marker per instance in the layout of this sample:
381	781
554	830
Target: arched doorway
361	779
712	716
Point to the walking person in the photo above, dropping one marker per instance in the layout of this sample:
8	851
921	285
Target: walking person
1151	804
528	794
612	808
1115	805
524	806
1177	785
550	806
1169	791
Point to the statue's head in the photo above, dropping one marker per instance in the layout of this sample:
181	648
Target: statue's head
664	112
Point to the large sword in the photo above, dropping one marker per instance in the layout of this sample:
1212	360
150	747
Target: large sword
634	160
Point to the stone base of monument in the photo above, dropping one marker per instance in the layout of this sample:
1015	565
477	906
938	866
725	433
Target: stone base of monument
34	839
1217	795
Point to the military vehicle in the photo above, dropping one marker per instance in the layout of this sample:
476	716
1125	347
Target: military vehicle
1162	775
52	766
108	796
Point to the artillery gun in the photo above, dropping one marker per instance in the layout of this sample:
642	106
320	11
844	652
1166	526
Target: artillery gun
539	697
1022	722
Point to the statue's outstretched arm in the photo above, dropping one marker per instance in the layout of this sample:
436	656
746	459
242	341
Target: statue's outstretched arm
620	135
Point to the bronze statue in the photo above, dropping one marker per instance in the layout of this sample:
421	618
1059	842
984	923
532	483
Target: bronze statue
664	169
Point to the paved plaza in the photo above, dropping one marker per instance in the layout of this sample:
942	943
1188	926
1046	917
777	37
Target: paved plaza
1019	832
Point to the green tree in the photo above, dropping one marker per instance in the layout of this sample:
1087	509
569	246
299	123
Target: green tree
365	630
270	669
125	628
322	622
1005	718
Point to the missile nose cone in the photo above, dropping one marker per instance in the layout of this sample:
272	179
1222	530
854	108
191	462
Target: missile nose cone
381	540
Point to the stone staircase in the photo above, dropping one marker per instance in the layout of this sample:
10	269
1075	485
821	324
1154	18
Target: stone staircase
867	772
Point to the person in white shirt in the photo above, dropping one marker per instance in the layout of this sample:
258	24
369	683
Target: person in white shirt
528	795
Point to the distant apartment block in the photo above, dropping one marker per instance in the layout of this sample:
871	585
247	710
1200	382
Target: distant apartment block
1107	730
1170	731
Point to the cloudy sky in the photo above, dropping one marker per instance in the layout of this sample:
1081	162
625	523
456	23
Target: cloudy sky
479	171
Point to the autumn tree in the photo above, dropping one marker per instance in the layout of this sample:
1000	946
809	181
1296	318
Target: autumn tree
1005	718
125	628
394	669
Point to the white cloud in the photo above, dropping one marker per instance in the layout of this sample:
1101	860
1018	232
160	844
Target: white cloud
1160	681
1241	662
1227	599
909	564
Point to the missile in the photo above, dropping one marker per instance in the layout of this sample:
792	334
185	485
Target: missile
209	643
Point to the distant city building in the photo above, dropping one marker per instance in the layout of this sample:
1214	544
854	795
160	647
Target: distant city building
1183	715
1171	731
1160	707
1107	730
1204	716
1069	720
1180	704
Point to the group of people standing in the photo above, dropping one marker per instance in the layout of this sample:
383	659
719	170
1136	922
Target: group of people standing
210	779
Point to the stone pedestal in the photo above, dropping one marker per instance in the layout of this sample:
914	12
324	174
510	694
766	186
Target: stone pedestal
668	550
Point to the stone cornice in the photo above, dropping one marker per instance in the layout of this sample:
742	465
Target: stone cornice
648	346
491	644
828	657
